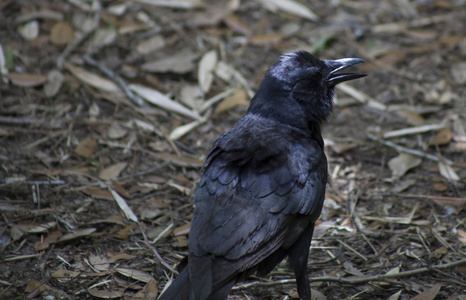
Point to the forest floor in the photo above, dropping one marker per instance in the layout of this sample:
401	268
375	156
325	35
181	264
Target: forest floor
108	109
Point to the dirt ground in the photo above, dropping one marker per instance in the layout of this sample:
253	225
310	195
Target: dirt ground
108	109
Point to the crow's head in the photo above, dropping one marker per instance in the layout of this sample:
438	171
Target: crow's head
300	87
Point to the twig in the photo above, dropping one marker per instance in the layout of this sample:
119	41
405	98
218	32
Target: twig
413	130
117	79
384	277
154	250
408	150
352	250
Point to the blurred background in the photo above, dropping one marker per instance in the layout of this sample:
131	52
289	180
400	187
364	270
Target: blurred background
108	109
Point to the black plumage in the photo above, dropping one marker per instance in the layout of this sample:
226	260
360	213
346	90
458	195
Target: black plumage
264	182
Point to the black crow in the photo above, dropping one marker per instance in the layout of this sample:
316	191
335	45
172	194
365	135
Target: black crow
264	182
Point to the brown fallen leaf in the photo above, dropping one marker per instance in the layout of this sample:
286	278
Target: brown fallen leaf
182	230
35	287
402	163
181	161
119	256
99	262
62	33
27	79
51	238
149	291
442	137
105	294
87	147
265	39
428	294
238	98
64	274
135	274
113	171
76	235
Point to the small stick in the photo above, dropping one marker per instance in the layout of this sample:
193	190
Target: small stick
384	277
154	250
408	150
117	79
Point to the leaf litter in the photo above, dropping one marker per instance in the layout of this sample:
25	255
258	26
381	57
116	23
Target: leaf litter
88	167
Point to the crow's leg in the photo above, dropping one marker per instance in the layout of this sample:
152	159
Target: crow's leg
298	256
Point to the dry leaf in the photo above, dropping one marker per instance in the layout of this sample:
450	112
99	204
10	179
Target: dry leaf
447	171
290	6
150	45
116	131
235	23
124	206
265	39
159	99
184	129
411	117
181	62
86	148
102	37
181	161
64	274
120	256
123	234
92	79
180	241
402	163
442	137
42	227
429	294
395	296
98	193
149	291
182	230
62	33
99	262
206	68
30	30
105	294
462	236
54	82
76	235
35	285
51	238
135	274
27	80
112	172
238	98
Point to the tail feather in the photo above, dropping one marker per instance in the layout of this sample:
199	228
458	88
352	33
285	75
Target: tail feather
179	289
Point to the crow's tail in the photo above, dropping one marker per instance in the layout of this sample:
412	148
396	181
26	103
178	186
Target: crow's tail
179	289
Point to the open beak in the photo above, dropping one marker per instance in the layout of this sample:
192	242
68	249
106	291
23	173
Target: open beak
335	78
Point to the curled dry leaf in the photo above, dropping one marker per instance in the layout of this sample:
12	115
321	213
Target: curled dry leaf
205	72
51	238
